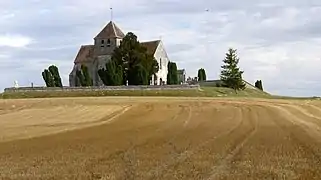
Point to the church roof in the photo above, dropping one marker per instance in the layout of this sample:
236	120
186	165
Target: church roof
151	46
111	31
86	52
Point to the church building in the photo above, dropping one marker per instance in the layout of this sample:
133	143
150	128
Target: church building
96	56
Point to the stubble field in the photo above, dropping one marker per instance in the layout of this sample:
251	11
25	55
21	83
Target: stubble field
160	138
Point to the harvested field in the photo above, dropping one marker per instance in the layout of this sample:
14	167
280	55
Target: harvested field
160	138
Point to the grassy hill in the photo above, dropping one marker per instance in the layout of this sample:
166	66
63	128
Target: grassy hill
202	92
227	92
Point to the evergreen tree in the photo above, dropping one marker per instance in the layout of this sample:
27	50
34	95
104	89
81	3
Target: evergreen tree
112	75
133	57
231	76
56	76
174	73
45	77
87	79
48	78
138	75
172	76
258	84
51	77
261	85
169	73
80	78
204	75
201	75
83	77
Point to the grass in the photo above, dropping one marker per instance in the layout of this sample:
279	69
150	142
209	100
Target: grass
203	92
49	94
295	98
227	92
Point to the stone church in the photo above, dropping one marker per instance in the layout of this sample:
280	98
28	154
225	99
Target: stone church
95	56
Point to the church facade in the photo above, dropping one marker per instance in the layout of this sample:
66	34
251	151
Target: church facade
96	56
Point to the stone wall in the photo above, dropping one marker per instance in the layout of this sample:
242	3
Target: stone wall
103	88
214	83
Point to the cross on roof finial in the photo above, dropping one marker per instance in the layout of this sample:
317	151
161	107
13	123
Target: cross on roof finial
111	14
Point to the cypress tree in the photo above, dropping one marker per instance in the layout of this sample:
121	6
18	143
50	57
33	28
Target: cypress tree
200	75
204	74
48	78
56	76
112	75
258	84
80	77
45	78
169	76
87	79
172	76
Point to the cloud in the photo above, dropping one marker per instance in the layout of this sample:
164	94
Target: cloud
277	41
16	41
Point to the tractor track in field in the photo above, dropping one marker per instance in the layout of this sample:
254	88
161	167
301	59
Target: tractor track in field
165	139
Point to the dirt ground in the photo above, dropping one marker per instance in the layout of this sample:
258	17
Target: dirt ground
160	138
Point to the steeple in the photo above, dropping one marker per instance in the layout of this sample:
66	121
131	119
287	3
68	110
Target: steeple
110	31
111	14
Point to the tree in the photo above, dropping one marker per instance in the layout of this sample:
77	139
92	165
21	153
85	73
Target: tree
88	80
201	75
169	73
231	76
56	76
204	75
258	84
112	75
80	78
133	57
172	76
51	77
45	77
48	78
83	76
138	75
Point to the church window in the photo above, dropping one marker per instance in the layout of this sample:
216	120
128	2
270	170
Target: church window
160	63
102	43
108	42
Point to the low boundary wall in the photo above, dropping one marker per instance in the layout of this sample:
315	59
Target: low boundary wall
104	88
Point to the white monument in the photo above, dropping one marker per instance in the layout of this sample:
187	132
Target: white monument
16	84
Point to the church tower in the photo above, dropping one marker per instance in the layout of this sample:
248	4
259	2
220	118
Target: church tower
105	43
108	39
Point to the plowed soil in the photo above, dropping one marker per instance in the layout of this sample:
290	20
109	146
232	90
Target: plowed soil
160	138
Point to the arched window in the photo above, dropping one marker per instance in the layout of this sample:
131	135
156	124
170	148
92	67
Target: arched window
160	63
108	42
102	43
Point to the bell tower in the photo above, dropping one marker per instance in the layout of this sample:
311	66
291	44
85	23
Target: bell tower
104	45
108	39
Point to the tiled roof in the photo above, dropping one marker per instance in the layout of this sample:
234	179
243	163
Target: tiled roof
151	46
86	53
110	31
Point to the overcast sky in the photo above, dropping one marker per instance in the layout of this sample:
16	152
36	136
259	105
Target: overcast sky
278	41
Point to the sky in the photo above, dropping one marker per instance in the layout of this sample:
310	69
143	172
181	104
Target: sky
278	41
